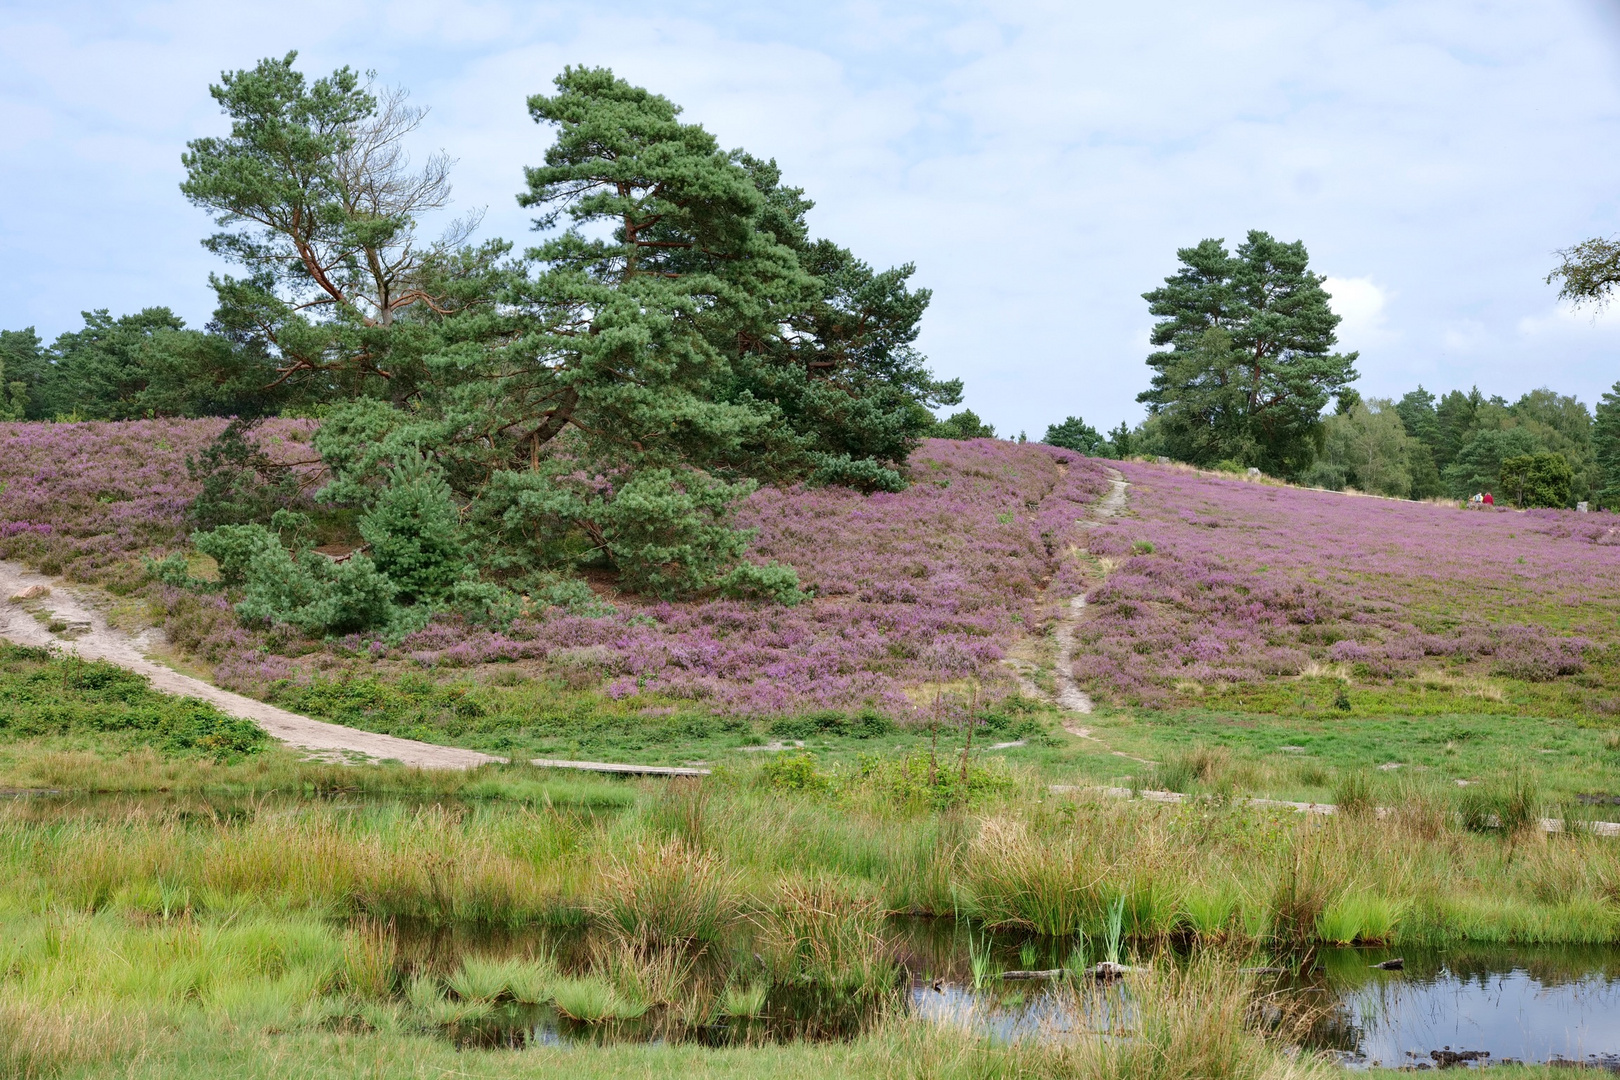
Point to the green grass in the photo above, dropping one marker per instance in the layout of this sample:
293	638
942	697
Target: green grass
503	709
1310	758
74	703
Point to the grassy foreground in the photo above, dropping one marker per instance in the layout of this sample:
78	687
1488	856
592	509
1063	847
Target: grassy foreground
1190	1025
197	902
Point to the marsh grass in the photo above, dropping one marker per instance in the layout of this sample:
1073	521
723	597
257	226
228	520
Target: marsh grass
744	999
668	894
1358	917
649	974
824	932
1510	802
1353	795
370	958
484	978
593	999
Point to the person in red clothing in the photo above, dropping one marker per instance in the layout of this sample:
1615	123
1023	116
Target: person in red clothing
1488	500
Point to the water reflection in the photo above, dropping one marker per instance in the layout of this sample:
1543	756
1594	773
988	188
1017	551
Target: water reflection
1459	1006
1468	1005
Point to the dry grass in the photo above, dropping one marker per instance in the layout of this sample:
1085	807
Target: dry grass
1476	686
38	1040
669	894
1322	669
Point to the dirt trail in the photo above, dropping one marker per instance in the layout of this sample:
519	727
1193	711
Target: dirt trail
84	632
1069	696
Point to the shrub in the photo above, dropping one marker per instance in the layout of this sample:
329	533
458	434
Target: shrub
412	530
863	474
670	533
919	780
774	582
484	603
550	589
795	772
237	548
312	594
868	724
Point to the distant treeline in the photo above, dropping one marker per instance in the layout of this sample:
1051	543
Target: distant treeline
1424	446
1246	376
145	364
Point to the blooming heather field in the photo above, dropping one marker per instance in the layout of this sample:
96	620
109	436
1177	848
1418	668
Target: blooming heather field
1218	584
83	499
928	585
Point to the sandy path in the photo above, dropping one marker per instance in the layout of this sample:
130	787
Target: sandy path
1069	696
89	636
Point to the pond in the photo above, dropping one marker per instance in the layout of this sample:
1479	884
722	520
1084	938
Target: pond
1466	1005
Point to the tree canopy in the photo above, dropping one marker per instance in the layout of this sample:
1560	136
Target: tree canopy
1075	434
605	397
1249	364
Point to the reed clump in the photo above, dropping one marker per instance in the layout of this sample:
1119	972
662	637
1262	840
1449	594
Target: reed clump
824	932
666	895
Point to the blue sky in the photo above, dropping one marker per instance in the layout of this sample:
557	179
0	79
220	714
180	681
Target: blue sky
1039	162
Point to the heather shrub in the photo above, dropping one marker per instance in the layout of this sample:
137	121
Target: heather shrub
1248	584
932	582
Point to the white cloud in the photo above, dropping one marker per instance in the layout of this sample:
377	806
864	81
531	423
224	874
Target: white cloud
1039	160
1360	304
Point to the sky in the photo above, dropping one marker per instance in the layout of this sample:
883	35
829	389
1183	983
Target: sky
1039	162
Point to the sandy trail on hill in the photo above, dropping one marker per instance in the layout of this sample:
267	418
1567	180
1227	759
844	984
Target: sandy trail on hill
88	635
1069	695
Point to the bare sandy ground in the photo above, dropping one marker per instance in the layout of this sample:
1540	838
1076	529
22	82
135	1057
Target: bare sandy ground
86	633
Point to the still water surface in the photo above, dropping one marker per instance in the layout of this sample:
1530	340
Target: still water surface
1459	1006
